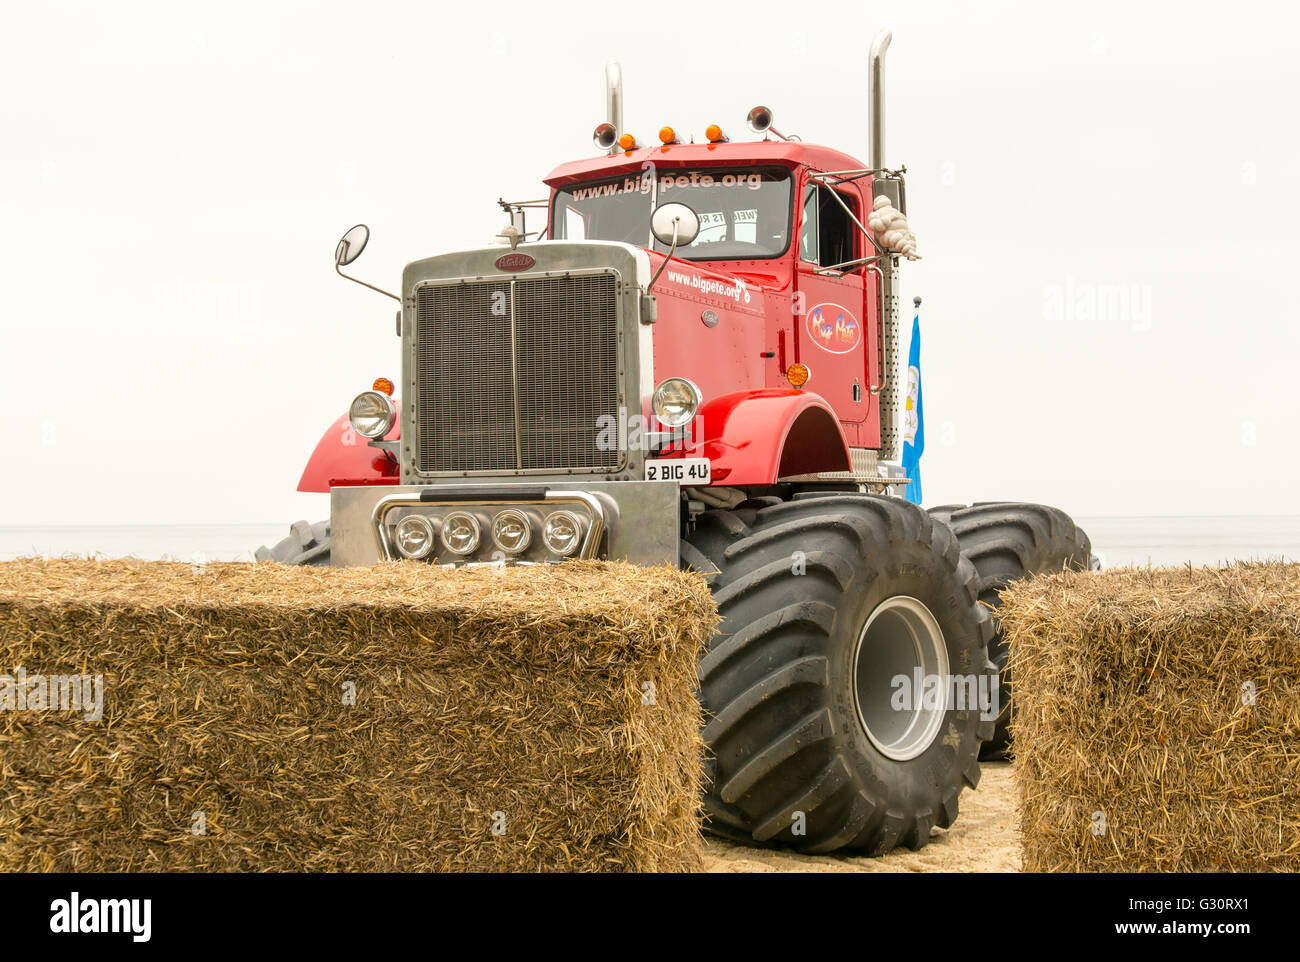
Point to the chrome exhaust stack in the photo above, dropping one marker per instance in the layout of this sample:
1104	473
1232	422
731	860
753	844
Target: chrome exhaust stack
891	187
614	100
876	97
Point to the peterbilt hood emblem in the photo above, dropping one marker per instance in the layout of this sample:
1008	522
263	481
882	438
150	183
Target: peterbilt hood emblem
514	261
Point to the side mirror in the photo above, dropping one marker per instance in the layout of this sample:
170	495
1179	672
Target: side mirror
351	245
675	225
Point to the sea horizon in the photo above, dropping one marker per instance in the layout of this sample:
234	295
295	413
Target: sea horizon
1119	540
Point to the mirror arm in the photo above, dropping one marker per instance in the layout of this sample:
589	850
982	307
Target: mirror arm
672	249
380	290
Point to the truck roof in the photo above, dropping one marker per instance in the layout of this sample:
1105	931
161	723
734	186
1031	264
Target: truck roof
786	152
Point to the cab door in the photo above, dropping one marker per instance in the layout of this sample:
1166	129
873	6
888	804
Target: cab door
831	317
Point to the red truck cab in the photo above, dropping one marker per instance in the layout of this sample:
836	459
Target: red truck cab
752	295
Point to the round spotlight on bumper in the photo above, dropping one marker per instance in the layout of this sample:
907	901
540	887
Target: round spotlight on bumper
676	400
414	536
512	532
563	533
372	414
460	532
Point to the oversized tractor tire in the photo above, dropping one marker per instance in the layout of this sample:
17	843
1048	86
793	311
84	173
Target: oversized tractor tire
825	600
1007	541
307	544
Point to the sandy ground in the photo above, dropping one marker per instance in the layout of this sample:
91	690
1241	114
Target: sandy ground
982	840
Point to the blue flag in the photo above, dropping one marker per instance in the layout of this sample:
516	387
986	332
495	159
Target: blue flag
913	417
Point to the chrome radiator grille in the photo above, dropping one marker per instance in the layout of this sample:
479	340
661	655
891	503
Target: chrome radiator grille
514	374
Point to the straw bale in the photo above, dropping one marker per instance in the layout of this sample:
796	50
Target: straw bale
525	718
1165	702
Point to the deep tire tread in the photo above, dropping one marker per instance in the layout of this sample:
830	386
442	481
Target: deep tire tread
766	679
307	544
1006	541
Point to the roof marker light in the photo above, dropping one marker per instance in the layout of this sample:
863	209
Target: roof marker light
715	135
627	142
668	136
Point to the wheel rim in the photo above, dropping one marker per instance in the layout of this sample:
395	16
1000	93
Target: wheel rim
901	638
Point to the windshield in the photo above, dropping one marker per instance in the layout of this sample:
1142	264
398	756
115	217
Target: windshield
744	213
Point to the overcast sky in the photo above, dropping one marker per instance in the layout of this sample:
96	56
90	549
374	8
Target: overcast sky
1105	198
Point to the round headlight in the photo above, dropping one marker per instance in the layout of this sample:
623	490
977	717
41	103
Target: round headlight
676	400
372	414
511	531
414	536
460	532
562	533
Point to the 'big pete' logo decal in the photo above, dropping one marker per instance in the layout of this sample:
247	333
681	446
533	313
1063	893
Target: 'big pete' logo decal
514	261
834	328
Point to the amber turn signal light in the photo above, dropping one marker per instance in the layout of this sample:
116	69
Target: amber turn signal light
797	375
383	386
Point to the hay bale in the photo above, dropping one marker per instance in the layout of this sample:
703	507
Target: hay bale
1133	697
521	691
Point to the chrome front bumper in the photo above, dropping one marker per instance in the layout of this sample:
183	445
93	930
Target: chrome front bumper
635	521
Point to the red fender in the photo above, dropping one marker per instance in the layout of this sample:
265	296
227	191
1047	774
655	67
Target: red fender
343	457
751	438
757	437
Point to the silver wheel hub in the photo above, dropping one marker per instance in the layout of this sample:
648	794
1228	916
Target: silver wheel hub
900	677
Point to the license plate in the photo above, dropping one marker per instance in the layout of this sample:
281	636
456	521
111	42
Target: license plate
679	470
